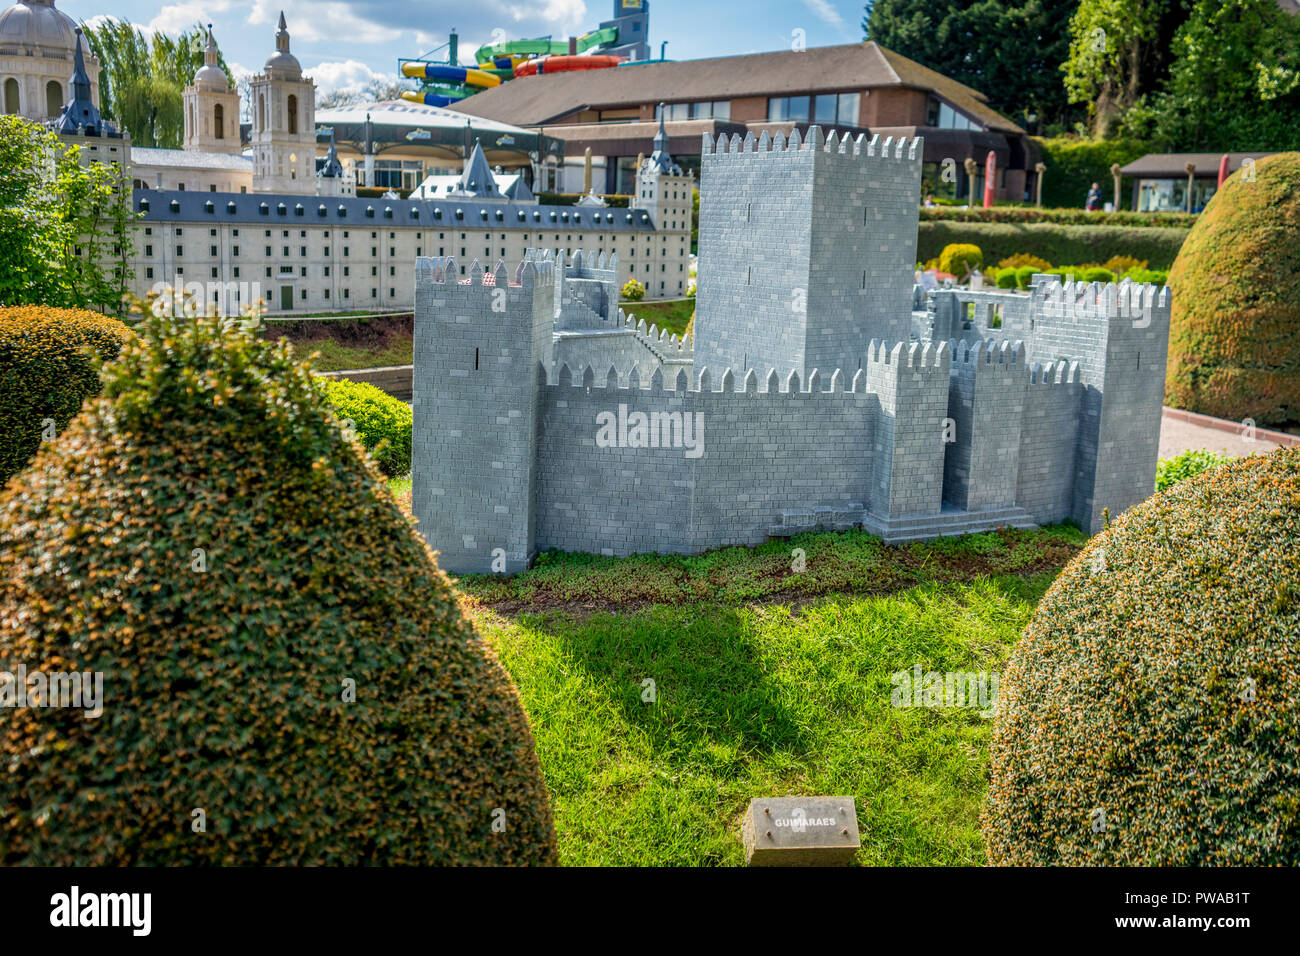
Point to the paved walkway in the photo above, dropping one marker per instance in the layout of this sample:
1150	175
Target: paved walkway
1184	431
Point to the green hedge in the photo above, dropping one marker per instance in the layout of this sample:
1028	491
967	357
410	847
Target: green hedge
1159	246
382	423
1023	215
1074	164
613	201
49	365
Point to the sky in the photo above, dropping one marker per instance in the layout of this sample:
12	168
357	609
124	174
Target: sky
344	44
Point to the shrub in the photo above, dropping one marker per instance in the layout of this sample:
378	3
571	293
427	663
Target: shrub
1120	265
1150	276
1022	259
382	423
1054	243
235	568
960	259
1096	274
1157	684
49	365
1024	274
1170	471
633	291
1234	341
1009	279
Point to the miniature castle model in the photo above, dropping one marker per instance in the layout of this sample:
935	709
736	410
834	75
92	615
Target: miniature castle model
823	390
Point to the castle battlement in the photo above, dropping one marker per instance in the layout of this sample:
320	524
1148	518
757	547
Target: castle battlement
444	271
1079	301
886	148
915	355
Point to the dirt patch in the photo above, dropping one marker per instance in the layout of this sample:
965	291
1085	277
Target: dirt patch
372	334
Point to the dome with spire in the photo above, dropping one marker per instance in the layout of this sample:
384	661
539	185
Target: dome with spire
282	61
211	76
37	26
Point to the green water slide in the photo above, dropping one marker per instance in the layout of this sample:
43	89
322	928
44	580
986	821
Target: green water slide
544	46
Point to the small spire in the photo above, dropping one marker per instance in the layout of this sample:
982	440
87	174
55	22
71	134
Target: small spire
282	35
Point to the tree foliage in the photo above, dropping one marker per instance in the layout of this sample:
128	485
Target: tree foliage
142	79
65	236
1012	51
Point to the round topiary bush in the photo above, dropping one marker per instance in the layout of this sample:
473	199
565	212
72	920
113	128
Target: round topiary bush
287	677
1150	714
1024	275
960	259
49	364
382	423
1234	341
1008	279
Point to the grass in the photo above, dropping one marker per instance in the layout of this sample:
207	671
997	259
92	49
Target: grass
670	314
767	682
334	356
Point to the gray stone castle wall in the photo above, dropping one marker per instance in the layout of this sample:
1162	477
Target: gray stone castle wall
513	373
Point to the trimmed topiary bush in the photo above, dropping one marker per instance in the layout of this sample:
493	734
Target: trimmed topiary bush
960	259
1022	259
49	364
1008	279
1150	715
1234	341
382	423
1096	274
278	648
1024	274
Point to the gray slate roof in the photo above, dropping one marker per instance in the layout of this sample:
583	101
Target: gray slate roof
187	206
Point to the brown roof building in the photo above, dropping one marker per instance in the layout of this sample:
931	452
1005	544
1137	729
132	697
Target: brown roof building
860	87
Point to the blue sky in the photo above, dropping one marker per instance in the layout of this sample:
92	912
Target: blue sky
344	43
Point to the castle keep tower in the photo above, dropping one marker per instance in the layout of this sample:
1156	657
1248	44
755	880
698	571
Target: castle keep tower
284	123
212	107
820	248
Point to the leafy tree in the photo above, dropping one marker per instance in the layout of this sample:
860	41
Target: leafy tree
1119	52
65	227
1234	83
1010	50
141	80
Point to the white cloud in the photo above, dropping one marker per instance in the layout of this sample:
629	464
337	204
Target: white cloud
312	21
179	17
331	77
826	13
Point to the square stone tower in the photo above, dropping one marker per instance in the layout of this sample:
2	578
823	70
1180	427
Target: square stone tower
807	250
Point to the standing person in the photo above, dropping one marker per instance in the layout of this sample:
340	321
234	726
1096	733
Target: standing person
1093	202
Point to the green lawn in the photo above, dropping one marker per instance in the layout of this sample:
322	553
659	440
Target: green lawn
670	314
768	682
335	356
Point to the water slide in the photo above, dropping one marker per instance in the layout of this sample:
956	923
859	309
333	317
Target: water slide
545	46
446	83
560	64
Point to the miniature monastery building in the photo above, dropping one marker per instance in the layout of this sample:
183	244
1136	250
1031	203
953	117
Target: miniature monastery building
279	222
823	389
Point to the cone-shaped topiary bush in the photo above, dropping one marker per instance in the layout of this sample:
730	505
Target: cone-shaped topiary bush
206	538
1150	715
1234	337
49	365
